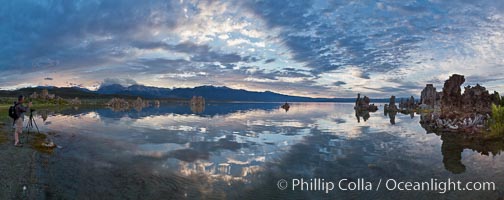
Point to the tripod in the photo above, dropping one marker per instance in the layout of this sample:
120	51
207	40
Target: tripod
30	124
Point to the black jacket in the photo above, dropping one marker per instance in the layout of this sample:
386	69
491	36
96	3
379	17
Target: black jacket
20	110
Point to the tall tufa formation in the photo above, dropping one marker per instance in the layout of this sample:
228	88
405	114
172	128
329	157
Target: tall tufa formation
461	112
428	96
392	106
451	103
478	100
363	104
474	100
411	104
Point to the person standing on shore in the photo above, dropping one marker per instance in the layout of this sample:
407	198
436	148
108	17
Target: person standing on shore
18	123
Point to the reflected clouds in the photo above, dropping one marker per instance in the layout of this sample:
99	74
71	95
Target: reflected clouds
246	150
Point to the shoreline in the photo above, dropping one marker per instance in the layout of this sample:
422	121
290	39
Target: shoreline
19	166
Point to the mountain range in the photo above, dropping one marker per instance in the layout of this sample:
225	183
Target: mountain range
210	93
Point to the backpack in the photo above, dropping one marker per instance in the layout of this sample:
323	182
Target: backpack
12	112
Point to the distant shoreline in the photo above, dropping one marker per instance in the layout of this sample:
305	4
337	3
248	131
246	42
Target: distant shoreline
209	93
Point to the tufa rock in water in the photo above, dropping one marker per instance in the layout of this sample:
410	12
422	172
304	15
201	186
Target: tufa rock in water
363	104
391	107
197	104
410	104
285	106
197	101
407	105
362	113
139	104
118	104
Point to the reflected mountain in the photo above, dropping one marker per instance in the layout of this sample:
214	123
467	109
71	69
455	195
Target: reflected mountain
208	110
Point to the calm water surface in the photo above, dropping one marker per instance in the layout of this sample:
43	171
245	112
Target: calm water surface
241	151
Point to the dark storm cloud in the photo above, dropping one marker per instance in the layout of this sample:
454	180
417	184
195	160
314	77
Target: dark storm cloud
33	32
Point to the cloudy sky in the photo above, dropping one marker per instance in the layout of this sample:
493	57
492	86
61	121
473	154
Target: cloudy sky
332	48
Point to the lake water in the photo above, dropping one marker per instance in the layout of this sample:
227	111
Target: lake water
237	150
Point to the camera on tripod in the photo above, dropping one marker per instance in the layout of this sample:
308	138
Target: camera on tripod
31	121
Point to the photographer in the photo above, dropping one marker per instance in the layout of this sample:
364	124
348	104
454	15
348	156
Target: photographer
18	123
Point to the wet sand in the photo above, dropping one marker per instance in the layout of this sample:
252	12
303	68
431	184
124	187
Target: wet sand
18	167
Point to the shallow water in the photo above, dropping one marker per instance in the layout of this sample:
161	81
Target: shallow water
241	151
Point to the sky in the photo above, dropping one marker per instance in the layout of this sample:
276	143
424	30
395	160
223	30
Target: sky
332	48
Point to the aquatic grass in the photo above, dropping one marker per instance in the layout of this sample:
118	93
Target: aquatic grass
497	121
